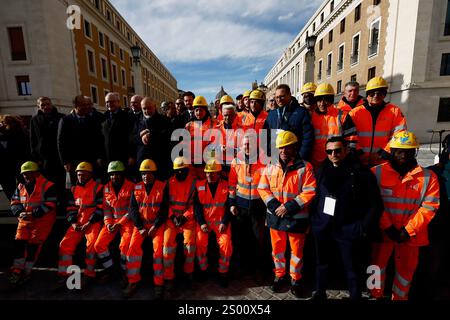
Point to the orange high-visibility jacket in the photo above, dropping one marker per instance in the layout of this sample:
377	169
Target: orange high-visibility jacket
117	206
214	209
232	137
148	204
373	138
37	199
250	122
295	188
326	126
201	128
342	105
244	179
87	203
181	197
409	202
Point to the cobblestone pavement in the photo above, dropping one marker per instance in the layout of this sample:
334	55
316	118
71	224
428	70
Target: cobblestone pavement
42	286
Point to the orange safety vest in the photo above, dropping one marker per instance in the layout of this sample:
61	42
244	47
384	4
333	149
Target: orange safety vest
232	136
213	208
197	130
250	122
298	185
181	201
371	139
344	106
37	197
409	202
244	179
325	126
149	204
117	206
84	200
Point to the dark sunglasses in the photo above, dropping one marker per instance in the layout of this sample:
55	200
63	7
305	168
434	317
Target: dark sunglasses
374	93
337	151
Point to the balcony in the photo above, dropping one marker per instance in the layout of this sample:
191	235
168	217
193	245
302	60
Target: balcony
373	49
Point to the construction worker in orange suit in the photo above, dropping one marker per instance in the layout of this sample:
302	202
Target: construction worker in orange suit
116	202
148	211
376	121
257	116
308	100
85	214
198	127
327	121
248	209
231	132
211	207
34	205
411	198
181	188
351	98
226	99
246	103
288	188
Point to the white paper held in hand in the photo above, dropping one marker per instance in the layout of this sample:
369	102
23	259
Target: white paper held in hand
329	206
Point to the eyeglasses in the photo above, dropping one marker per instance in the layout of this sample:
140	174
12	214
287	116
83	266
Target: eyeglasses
374	93
336	151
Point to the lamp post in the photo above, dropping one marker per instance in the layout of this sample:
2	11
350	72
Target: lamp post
310	58
138	83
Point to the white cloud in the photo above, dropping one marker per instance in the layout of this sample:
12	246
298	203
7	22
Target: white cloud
196	31
286	17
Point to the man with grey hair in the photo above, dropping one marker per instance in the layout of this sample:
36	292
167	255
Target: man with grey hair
117	130
152	138
351	98
135	103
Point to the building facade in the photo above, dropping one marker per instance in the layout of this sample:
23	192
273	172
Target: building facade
60	49
405	41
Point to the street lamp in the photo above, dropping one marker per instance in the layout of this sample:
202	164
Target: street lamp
311	42
136	53
310	58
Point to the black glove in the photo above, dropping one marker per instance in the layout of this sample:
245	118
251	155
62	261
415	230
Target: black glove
181	220
37	212
393	233
403	235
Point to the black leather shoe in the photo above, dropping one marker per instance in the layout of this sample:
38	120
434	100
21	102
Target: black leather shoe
297	289
277	285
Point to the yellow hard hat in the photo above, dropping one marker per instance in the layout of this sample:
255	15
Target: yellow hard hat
116	166
404	140
180	163
213	166
148	165
29	166
246	94
309	87
200	101
285	138
226	99
257	95
324	89
85	166
376	83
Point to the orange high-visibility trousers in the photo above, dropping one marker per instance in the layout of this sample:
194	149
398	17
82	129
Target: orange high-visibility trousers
297	242
170	248
406	260
36	230
135	252
105	238
69	244
224	242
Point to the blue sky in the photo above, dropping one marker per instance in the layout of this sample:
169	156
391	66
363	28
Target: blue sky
209	43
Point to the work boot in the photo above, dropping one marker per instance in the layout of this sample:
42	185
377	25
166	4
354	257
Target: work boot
159	292
14	276
123	282
277	285
188	281
297	289
202	276
105	276
168	289
87	282
223	280
61	284
319	296
130	290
